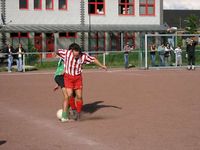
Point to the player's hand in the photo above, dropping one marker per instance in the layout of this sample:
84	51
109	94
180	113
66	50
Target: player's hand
55	88
104	67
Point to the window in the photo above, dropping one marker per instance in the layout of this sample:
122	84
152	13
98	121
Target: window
49	4
37	4
68	35
23	4
96	7
114	41
126	7
19	35
147	7
130	38
97	41
62	4
13	35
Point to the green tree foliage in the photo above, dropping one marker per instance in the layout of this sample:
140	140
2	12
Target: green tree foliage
192	24
33	57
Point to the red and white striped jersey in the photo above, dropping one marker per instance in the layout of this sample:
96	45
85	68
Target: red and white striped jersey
72	65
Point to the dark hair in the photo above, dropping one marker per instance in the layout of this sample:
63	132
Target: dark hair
75	46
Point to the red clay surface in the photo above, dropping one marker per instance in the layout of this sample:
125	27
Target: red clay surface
124	110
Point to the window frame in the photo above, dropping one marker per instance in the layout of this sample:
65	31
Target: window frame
27	4
96	6
52	5
126	7
147	5
40	3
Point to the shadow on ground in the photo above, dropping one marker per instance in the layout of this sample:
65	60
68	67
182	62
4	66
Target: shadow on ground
95	106
2	142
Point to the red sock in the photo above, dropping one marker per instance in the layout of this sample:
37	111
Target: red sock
72	103
79	105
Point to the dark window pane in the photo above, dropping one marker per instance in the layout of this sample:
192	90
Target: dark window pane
38	34
91	8
37	4
49	4
62	4
122	1
71	34
13	35
23	34
62	34
23	4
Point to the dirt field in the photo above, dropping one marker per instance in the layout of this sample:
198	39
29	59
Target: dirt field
124	110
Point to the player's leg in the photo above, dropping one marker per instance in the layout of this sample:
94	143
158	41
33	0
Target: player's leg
60	80
67	92
79	102
72	101
78	90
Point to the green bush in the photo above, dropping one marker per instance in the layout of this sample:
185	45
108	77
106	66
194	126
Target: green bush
32	59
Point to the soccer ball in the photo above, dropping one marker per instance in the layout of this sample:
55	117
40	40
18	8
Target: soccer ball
59	113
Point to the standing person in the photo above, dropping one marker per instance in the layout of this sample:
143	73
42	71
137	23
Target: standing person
153	54
73	61
178	54
168	50
190	49
20	51
161	53
9	50
127	49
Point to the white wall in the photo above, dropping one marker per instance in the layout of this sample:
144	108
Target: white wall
72	15
31	16
111	15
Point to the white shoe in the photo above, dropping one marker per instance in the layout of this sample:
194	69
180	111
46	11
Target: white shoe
9	71
193	67
188	67
64	120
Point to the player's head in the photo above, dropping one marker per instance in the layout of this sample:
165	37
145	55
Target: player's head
76	49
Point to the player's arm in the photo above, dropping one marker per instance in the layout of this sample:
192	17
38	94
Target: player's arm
96	61
91	59
61	53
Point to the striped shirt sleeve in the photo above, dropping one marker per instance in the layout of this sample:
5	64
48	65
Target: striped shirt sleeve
62	53
87	59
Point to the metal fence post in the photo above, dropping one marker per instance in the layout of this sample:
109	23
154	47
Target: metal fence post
24	62
104	58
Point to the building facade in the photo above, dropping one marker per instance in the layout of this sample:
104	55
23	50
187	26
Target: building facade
97	25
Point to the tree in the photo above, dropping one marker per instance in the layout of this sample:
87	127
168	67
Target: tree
192	24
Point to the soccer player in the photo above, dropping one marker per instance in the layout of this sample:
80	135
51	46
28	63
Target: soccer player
73	61
59	79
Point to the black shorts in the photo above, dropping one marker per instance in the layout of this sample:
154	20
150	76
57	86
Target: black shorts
59	79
